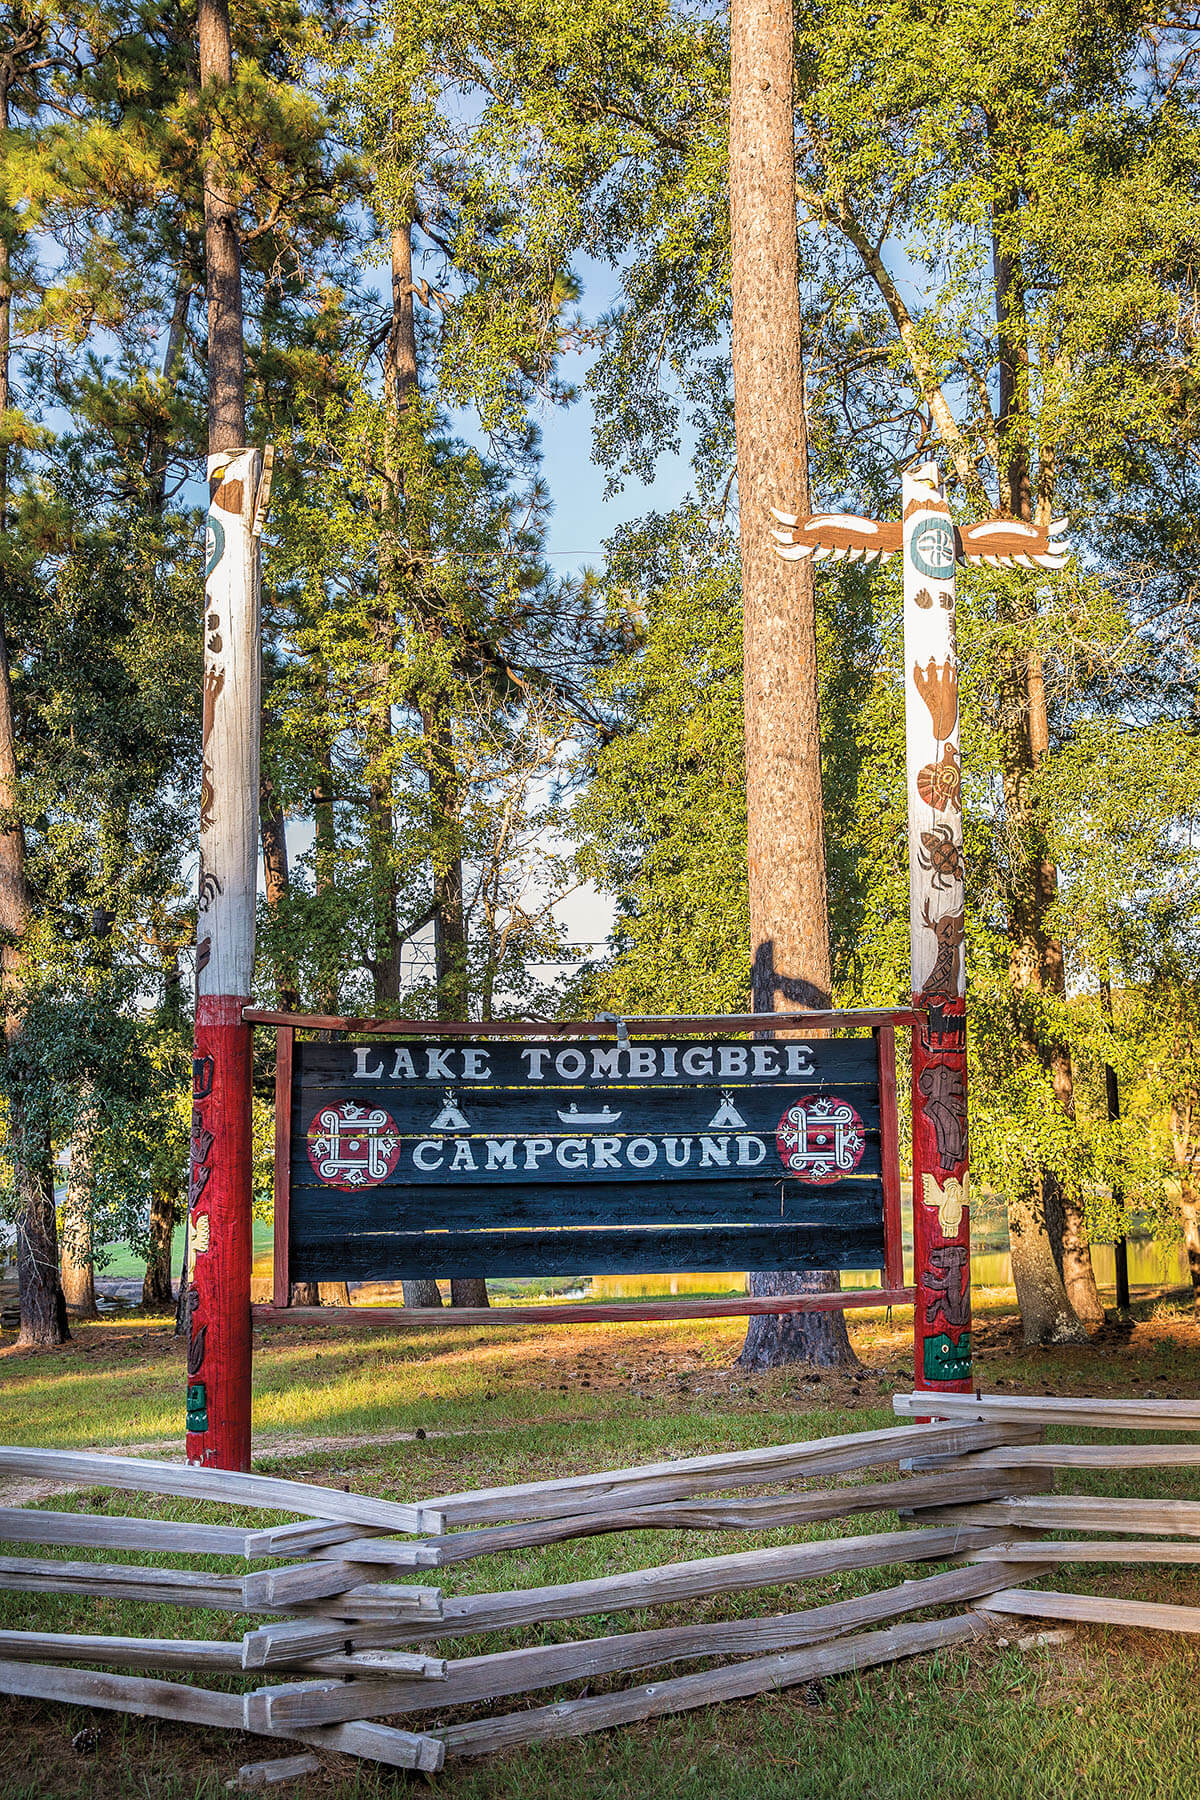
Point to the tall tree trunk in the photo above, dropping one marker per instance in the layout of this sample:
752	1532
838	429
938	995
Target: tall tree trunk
1046	1313
222	252
1036	957
156	441
78	1272
406	530
1185	1143
789	927
325	848
156	1282
1189	1212
43	1311
276	884
166	1208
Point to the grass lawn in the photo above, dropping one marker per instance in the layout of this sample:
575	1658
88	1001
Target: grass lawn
410	1415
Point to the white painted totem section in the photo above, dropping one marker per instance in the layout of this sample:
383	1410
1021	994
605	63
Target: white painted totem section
941	1225
232	682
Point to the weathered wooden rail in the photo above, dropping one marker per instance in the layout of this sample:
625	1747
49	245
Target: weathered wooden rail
344	1647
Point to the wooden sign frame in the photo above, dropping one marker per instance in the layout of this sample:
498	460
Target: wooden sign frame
881	1024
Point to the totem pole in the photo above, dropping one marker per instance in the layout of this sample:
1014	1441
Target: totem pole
941	1219
219	1183
930	545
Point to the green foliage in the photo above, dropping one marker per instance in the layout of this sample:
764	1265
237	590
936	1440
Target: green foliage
82	1059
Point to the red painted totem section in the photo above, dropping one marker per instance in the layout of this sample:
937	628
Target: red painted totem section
941	1219
219	1237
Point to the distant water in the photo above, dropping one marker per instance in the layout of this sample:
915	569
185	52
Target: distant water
1151	1264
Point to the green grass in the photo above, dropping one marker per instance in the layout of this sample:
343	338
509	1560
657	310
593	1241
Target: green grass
118	1262
1107	1713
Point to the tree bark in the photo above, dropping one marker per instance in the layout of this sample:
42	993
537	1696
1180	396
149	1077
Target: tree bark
156	1282
1185	1143
324	847
406	543
789	927
276	882
156	442
425	1292
43	1310
78	1272
222	249
469	1291
791	1339
1046	1314
1189	1212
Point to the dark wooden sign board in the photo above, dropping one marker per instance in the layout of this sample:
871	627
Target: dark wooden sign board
464	1155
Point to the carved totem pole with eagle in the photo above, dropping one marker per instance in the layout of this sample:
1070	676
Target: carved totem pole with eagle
931	544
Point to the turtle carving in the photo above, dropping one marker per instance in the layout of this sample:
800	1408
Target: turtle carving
941	857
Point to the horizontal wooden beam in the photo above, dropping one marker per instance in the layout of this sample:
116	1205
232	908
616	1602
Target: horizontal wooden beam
772	1512
630	1312
1076	1512
1093	1609
653	1483
1084	1456
780	1565
470	1680
142	1475
399	1255
857	1019
204	1706
1092	1413
598	1712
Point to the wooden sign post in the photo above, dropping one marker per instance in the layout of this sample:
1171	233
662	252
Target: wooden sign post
941	1220
219	1251
931	544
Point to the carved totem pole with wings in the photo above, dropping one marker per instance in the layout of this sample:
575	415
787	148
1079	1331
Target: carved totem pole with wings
931	545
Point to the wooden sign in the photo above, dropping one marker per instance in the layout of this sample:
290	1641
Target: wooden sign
424	1158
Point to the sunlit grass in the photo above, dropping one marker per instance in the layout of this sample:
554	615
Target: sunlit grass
507	1403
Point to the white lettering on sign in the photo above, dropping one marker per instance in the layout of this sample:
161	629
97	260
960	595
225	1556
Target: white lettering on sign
369	1065
517	1155
596	1063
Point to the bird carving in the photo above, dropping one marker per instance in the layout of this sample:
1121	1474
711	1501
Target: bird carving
845	537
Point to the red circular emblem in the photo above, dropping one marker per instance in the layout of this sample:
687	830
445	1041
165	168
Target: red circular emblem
352	1146
821	1139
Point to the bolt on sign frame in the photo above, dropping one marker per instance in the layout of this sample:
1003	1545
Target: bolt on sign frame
534	1147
